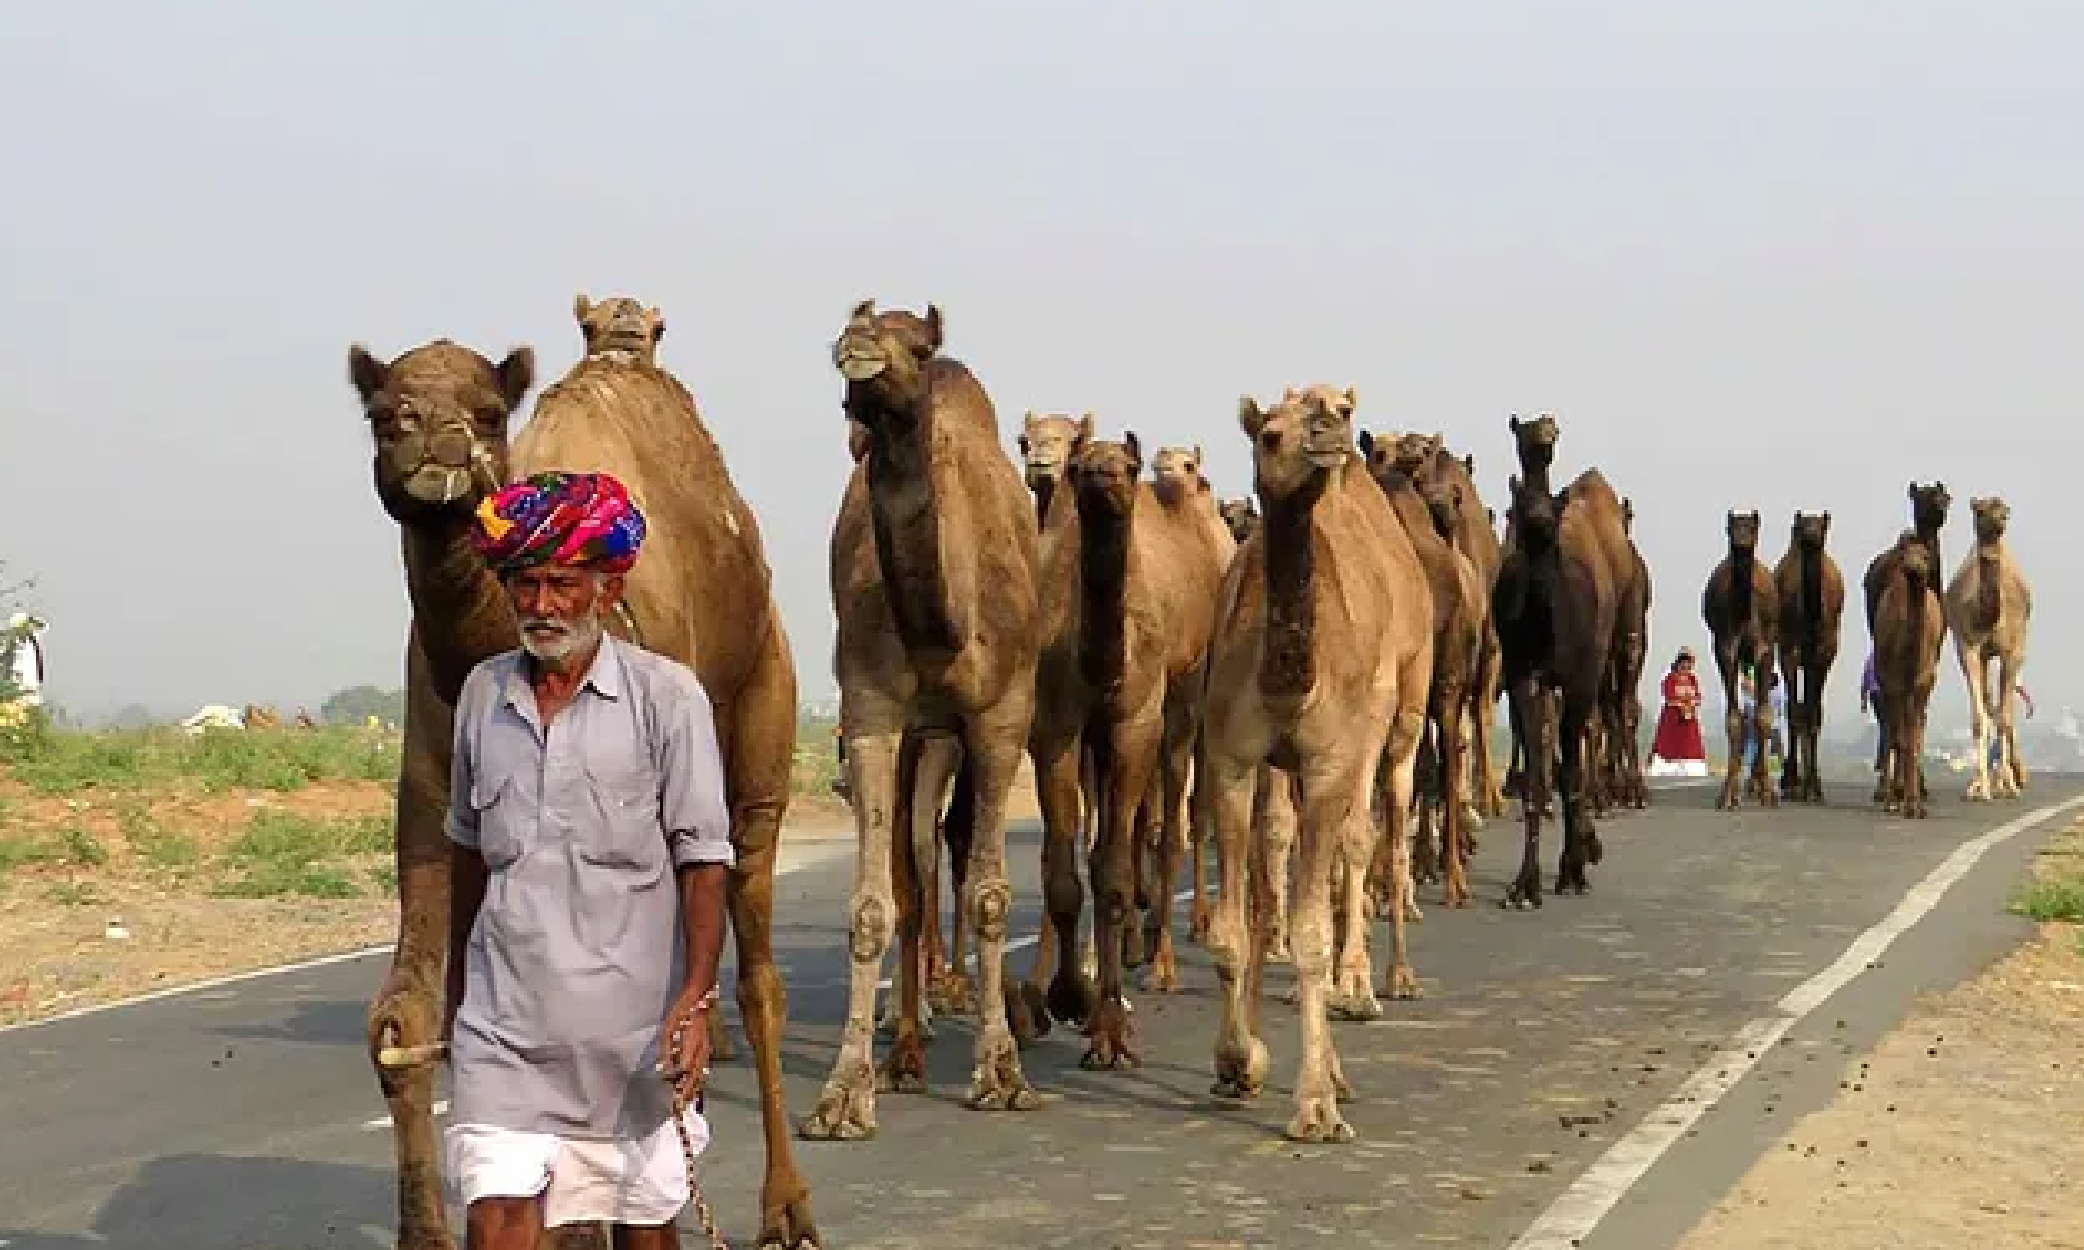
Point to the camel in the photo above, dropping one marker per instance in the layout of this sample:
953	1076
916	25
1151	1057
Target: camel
438	415
1741	608
1988	606
1321	659
1555	604
1242	516
1909	632
1811	596
1148	576
1451	480
1459	616
1621	703
1929	506
934	567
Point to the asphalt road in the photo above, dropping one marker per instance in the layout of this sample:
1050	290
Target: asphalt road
245	1116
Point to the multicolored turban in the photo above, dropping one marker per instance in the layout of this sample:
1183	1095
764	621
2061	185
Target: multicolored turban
560	518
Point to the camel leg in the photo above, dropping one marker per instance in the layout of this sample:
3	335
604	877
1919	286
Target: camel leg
1975	674
1273	823
904	1069
1056	967
1529	725
1329	796
1199	825
1400	758
1579	838
1734	724
1492	795
1175	753
1351	995
1128	751
2011	780
1424	854
993	739
1236	928
873	724
1762	722
407	1009
957	992
1454	888
759	733
918	755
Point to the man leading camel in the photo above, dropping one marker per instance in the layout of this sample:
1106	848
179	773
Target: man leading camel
591	847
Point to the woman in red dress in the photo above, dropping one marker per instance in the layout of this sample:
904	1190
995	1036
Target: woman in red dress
1678	738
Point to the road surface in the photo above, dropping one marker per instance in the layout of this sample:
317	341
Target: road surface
1527	1090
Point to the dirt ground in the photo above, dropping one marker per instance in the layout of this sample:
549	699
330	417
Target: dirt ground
1961	1129
128	895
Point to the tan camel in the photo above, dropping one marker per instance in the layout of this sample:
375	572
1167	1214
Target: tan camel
1459	614
1929	506
1909	631
1989	604
1058	986
438	414
1322	656
934	566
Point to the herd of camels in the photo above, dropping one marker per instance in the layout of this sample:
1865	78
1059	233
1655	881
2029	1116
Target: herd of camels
1307	673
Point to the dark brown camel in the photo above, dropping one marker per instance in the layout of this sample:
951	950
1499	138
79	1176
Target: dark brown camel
1909	632
1742	612
1928	516
1811	593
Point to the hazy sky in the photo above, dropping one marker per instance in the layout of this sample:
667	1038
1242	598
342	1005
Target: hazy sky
1769	255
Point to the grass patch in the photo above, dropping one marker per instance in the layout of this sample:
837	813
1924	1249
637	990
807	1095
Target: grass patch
281	853
18	850
54	760
2057	898
817	759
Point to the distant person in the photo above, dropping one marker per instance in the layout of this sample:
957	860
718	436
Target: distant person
24	651
1996	740
1678	743
592	841
1870	698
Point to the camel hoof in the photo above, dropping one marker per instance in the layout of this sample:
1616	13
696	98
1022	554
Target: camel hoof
1353	1004
1027	1013
1197	925
1341	1088
1403	983
1320	1122
1070	999
790	1228
842	1114
904	1070
1242	1077
1161	978
1103	1055
1412	915
1278	952
997	1083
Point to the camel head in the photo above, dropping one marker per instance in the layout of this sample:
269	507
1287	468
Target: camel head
1050	443
1535	515
1379	454
1811	530
1414	454
1913	559
1105	476
1242	516
1992	516
438	415
1444	502
1928	506
1742	528
1176	473
619	325
1300	441
883	358
1535	441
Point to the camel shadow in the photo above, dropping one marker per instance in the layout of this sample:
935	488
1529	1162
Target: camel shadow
208	1202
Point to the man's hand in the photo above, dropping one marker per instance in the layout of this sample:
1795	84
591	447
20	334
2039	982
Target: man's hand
687	1065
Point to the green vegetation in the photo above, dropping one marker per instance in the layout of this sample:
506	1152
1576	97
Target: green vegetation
281	853
54	760
817	756
2054	889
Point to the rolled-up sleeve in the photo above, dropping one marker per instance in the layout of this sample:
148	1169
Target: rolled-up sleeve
692	806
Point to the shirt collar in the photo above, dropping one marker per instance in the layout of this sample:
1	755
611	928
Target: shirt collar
604	676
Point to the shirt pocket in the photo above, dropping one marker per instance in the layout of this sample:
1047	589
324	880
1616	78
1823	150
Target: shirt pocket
496	800
627	835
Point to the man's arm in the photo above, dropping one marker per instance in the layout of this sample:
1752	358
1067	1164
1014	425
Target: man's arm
697	820
467	870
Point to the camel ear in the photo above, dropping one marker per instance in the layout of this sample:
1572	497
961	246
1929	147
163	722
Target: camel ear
1512	486
1085	434
516	374
1367	445
1352	398
367	372
1469	464
863	311
935	335
658	324
1513	423
1027	419
582	308
1135	451
1913	491
1198	457
1249	416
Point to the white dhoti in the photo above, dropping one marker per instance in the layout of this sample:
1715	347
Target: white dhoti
580	1180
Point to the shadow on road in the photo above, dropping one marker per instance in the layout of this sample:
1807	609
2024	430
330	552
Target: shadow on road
185	1200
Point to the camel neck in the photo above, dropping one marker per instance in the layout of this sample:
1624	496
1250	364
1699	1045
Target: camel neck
1989	582
1741	562
1103	572
1287	663
905	506
460	613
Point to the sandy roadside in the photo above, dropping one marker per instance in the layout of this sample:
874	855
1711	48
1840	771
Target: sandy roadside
1964	1128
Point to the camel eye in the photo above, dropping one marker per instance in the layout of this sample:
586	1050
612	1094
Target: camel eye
1270	439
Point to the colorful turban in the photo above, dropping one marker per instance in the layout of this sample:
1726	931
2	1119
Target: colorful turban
560	518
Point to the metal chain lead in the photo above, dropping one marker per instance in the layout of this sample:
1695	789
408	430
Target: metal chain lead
687	1145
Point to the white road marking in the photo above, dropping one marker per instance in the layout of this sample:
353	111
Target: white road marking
790	860
1579	1209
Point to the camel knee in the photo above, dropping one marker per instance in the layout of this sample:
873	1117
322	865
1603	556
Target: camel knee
868	928
1309	943
761	993
991	906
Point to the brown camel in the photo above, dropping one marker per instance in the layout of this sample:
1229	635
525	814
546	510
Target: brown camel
439	414
1556	608
1621	703
1460	612
1909	632
933	567
1811	595
1242	516
1148	576
1742	610
1322	657
1929	506
1989	604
